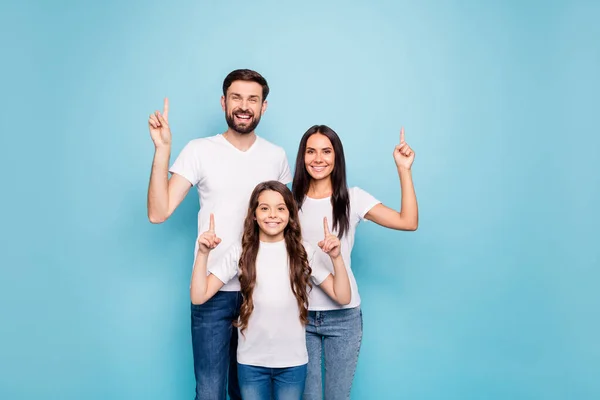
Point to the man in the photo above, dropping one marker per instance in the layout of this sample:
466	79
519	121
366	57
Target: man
225	168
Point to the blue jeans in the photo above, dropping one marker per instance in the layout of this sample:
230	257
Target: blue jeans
334	336
261	383
214	343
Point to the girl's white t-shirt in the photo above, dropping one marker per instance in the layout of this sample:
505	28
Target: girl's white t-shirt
275	337
311	219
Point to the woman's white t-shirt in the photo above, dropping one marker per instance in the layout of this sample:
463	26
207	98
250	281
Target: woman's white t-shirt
275	337
311	219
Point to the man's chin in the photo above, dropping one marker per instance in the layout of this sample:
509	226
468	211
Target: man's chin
244	129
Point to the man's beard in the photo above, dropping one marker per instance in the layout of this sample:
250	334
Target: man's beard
243	128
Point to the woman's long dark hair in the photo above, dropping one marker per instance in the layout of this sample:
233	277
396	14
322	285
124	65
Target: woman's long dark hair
299	269
340	201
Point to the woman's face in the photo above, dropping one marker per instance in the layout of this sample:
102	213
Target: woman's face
319	157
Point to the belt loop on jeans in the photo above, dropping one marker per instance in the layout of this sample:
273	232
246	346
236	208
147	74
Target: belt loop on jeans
319	317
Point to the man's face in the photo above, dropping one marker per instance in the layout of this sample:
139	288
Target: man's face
243	106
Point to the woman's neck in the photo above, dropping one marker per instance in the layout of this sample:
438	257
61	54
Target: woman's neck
320	189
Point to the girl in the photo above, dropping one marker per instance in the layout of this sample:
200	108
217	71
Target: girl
275	271
334	332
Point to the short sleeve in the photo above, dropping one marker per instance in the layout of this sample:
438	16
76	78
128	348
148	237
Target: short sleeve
228	268
319	271
187	164
362	202
285	176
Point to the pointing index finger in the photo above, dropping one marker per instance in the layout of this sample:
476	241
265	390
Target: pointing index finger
402	135
211	227
166	108
325	227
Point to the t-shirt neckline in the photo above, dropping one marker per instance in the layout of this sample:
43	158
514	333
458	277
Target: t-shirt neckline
321	199
273	244
250	149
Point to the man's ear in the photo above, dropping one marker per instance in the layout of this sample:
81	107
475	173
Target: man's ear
264	107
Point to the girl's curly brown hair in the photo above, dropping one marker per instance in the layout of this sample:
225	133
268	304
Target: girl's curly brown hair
298	261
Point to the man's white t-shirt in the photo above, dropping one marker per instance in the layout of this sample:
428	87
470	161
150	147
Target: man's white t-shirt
275	337
311	220
225	177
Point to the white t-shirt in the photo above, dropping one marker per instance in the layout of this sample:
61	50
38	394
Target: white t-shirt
275	337
225	177
311	221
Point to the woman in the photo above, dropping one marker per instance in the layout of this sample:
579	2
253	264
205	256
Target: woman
334	332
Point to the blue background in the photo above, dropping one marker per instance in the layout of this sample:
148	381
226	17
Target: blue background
494	297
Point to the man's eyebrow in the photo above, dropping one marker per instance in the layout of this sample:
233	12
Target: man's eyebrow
252	96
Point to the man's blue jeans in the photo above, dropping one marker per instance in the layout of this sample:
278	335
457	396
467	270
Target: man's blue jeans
214	343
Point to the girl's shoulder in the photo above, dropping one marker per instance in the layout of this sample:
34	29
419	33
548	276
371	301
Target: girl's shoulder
234	251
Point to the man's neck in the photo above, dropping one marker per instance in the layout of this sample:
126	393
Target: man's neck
240	141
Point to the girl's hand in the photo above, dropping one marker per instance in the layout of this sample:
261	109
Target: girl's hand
403	154
331	243
208	240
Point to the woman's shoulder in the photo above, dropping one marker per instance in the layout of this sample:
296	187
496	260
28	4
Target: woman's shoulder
361	201
356	193
310	249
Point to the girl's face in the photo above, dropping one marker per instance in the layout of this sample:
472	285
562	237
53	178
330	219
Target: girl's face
319	157
272	216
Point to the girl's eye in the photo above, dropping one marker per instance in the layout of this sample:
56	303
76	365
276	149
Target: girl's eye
281	209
